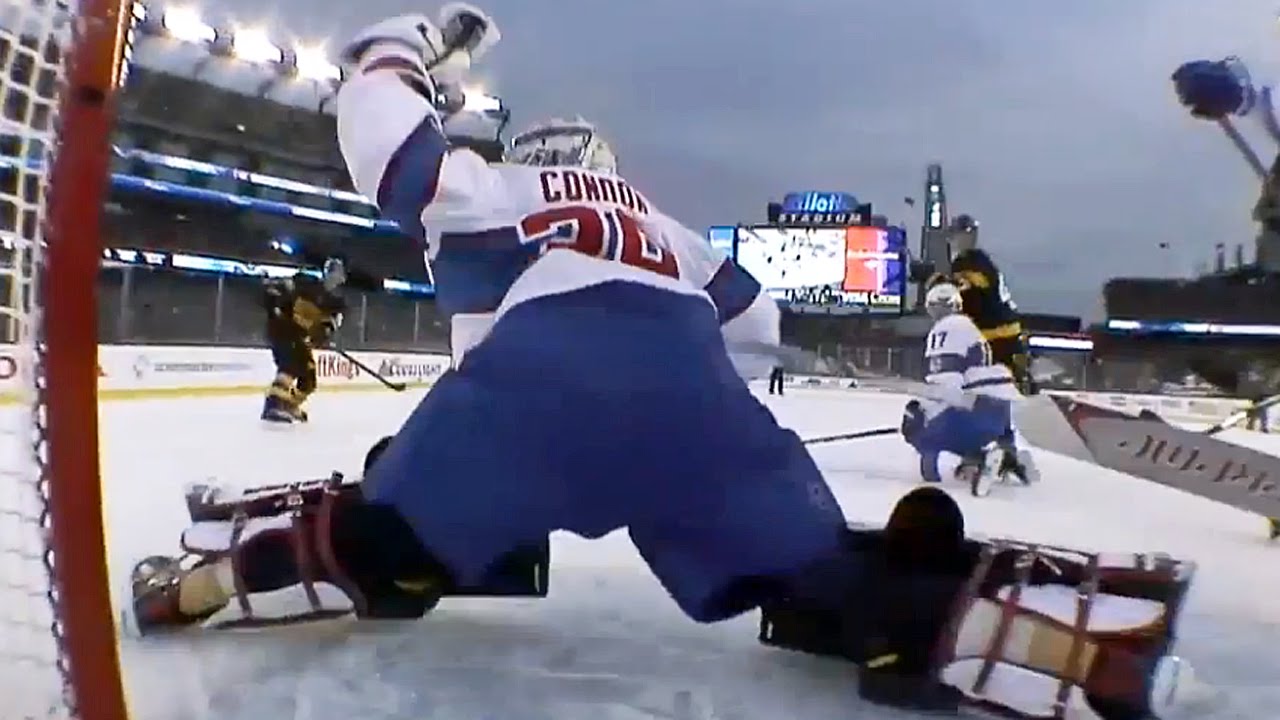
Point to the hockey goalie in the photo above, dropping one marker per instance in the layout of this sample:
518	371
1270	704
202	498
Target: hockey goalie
593	390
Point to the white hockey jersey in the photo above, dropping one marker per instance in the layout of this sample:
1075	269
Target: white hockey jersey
498	235
958	359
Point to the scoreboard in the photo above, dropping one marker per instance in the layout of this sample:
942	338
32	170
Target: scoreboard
822	252
833	270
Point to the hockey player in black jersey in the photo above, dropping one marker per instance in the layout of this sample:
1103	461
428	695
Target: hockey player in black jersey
988	302
303	312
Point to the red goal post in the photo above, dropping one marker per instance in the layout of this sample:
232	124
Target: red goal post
58	640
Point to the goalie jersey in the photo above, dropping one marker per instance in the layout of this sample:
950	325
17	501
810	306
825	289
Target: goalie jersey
499	235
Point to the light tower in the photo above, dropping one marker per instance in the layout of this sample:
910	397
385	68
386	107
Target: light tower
933	234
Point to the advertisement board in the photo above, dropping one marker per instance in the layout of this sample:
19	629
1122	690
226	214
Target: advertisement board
153	371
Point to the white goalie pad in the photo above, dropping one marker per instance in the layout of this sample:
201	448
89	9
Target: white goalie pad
216	537
1033	694
1026	692
1039	647
306	601
286	606
1034	658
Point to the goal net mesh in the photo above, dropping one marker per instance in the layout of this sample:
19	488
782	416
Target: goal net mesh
37	657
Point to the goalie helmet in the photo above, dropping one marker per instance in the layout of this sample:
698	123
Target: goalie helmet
334	273
943	299
571	143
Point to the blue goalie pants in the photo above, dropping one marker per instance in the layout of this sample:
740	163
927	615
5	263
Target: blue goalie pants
961	431
608	407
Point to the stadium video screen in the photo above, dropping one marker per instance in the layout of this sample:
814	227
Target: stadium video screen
828	270
721	238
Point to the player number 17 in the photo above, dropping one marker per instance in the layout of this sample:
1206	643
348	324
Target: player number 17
609	234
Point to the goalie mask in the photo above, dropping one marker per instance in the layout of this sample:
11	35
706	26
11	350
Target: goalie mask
563	143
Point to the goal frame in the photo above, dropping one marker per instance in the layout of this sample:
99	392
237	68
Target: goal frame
76	190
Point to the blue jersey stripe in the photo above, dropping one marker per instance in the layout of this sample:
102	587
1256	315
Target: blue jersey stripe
474	271
732	289
412	177
989	382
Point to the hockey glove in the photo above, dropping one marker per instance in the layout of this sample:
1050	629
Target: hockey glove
415	33
468	29
1212	90
446	48
913	421
324	332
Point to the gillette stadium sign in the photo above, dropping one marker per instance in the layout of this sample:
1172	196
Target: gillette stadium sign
814	207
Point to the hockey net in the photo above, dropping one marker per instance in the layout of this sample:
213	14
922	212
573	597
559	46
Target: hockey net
60	63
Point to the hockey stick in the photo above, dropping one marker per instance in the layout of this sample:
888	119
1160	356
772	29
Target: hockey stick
1243	146
852	436
1240	416
397	386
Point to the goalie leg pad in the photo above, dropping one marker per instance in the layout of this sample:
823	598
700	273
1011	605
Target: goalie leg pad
1049	632
1022	630
325	539
305	547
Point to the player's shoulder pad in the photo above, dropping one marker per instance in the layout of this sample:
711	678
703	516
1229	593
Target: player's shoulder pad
973	259
960	329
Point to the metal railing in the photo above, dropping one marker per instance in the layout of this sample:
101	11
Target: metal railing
139	305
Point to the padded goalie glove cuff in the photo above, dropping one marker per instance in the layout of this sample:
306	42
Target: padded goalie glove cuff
468	29
415	33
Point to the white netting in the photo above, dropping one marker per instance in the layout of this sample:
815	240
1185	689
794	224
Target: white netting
33	677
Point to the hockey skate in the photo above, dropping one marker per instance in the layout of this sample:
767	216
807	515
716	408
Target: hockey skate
981	472
275	411
1018	463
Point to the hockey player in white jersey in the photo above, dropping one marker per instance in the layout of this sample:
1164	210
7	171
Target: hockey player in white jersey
593	391
967	407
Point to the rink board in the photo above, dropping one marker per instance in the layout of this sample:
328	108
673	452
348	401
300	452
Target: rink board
127	372
1173	408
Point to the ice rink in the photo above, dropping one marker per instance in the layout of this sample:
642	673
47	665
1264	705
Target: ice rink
608	644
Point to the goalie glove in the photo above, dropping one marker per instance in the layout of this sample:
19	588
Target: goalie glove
425	52
467	29
414	35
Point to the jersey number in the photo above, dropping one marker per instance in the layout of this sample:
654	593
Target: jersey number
609	234
938	340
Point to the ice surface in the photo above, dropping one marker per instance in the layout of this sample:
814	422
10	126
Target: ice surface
607	644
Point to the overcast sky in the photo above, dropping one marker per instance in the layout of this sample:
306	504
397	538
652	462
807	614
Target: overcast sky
1054	121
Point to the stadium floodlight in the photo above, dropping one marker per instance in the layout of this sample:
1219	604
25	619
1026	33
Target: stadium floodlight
185	25
312	63
252	45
